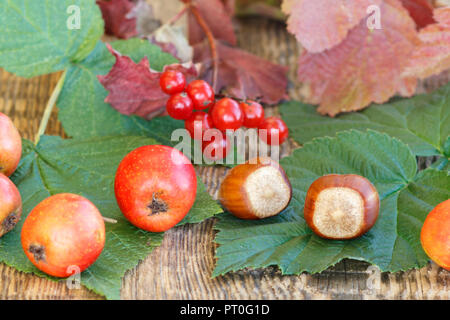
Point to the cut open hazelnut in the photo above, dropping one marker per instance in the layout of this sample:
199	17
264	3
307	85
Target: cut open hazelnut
341	206
256	189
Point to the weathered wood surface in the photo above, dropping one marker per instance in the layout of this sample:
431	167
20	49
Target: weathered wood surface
181	267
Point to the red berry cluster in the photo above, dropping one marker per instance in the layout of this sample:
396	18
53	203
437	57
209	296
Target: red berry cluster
225	114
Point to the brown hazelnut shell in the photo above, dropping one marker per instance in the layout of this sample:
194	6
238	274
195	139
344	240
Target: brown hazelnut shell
363	186
234	196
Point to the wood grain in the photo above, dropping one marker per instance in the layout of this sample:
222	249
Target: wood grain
181	267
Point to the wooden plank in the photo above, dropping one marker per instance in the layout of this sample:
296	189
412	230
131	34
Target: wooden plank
181	267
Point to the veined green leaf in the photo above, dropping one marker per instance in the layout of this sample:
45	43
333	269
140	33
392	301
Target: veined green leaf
422	122
40	37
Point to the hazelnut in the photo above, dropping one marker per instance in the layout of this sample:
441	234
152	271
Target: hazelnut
256	189
341	206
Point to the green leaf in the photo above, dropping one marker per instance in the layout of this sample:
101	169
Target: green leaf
287	241
422	122
87	167
82	110
36	38
447	147
204	207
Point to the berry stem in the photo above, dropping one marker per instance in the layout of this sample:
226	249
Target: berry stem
49	107
211	41
109	220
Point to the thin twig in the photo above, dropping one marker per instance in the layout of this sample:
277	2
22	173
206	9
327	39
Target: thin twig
49	107
211	40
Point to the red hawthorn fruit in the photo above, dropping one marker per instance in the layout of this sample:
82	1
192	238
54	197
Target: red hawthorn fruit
62	232
155	187
10	146
10	205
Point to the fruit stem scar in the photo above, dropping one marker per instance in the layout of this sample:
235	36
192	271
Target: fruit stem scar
10	222
38	252
157	205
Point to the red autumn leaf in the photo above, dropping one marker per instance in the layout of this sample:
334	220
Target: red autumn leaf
134	88
433	55
420	10
217	17
408	86
229	6
366	67
322	24
243	75
115	14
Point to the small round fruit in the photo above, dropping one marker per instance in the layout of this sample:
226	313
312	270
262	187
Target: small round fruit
253	113
341	206
270	127
201	93
10	146
256	189
227	115
63	232
180	106
216	147
198	123
435	235
155	187
10	205
172	82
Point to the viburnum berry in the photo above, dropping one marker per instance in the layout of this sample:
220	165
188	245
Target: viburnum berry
172	81
272	125
198	123
180	106
217	147
253	113
227	114
201	93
